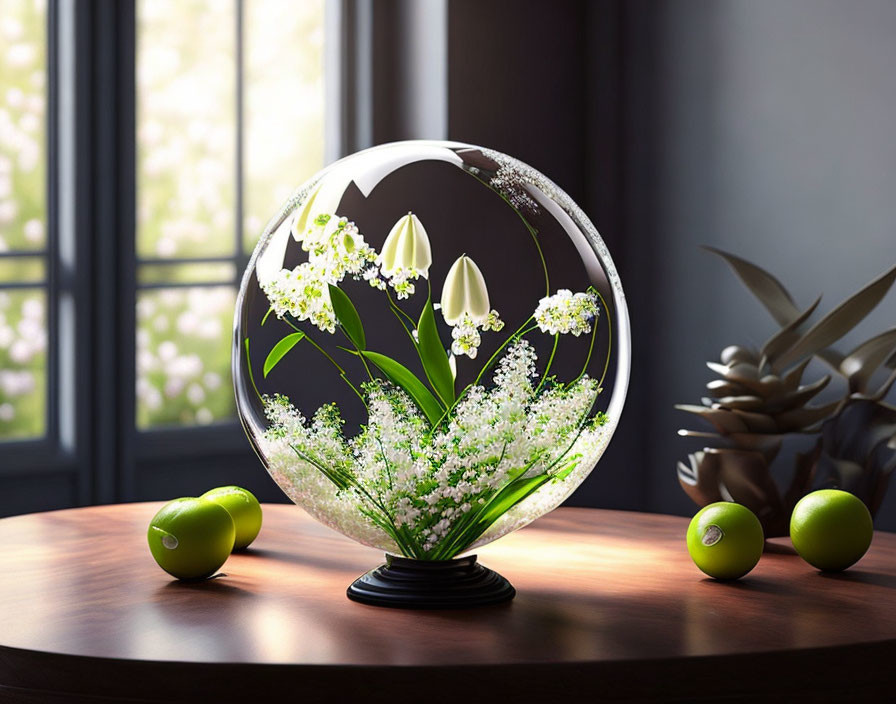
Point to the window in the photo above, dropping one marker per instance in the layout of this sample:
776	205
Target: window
137	171
216	79
23	220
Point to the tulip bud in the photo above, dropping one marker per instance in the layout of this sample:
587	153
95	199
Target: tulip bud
465	292
305	216
406	248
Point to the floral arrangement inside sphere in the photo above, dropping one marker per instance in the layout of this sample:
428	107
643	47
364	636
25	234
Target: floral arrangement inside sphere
436	469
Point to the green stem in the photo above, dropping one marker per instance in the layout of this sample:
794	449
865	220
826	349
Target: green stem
603	375
249	367
547	368
387	523
320	349
315	345
609	338
350	480
398	312
358	350
588	357
532	231
520	331
398	309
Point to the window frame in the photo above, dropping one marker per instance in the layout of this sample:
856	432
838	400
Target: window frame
226	437
44	453
91	260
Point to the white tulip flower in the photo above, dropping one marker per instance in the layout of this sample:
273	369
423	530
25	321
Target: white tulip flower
465	292
465	307
304	218
406	248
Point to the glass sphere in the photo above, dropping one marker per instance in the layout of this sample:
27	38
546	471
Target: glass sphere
431	347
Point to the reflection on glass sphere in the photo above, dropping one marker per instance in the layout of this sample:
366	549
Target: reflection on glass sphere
431	347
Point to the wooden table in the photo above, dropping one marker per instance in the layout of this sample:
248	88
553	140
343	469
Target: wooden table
609	607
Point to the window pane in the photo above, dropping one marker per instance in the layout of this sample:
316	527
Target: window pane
183	356
23	360
188	71
23	331
23	71
22	270
186	88
284	104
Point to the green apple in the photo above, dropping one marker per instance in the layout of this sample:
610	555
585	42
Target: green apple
831	529
191	538
725	540
243	508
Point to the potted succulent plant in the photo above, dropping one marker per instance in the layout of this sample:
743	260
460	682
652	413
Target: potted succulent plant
760	399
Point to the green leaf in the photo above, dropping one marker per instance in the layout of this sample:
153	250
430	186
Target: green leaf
348	317
403	377
266	315
770	292
475	523
512	494
566	471
840	320
249	368
280	349
433	356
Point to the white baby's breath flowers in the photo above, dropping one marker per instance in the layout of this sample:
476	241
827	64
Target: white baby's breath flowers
465	334
303	293
428	480
402	282
335	250
335	245
465	337
566	312
372	276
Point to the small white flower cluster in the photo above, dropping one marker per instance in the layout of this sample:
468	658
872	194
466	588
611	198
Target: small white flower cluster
335	246
566	312
372	276
402	281
512	186
465	334
303	293
335	249
413	487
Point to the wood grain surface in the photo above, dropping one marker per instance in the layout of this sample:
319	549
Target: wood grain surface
609	607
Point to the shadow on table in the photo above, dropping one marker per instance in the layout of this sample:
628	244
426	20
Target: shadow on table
213	585
749	584
863	577
303	558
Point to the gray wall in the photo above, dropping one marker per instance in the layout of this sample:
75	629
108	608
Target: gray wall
764	127
767	129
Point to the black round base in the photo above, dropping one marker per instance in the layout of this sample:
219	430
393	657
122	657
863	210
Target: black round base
403	583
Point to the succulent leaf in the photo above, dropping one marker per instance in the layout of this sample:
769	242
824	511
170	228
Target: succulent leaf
786	337
840	320
770	292
860	364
